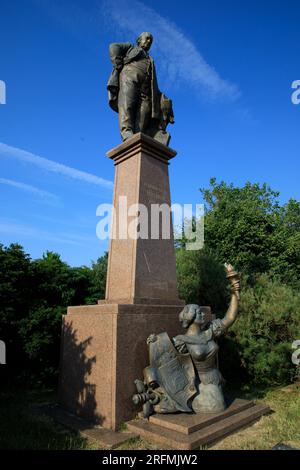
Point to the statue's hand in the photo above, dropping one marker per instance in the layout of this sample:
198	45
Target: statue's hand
234	279
235	286
180	344
152	338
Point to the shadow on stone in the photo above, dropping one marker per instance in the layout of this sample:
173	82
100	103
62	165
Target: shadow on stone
76	393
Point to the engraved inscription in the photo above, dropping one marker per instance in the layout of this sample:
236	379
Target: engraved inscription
155	195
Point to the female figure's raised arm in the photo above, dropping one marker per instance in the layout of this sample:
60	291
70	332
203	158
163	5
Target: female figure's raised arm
232	311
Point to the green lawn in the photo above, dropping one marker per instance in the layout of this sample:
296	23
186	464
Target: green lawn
282	426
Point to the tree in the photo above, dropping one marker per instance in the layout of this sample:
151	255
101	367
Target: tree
56	286
201	279
247	227
98	279
285	245
15	298
14	284
34	294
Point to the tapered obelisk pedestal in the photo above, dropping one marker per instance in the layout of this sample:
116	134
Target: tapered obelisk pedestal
142	269
104	346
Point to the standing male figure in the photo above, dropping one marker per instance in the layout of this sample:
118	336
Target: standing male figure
134	93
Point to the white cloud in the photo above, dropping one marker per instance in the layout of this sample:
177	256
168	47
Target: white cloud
2	92
180	61
45	195
52	166
178	56
13	228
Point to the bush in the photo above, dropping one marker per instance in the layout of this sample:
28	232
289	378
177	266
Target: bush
262	336
201	279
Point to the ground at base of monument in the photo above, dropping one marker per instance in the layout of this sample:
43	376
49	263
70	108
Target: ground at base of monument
180	431
105	438
20	428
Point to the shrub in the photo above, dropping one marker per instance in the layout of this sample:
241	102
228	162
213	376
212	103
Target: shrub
262	336
201	279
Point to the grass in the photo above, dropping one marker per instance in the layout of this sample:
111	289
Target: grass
282	426
22	429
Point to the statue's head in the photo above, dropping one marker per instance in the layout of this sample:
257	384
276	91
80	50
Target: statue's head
145	40
192	313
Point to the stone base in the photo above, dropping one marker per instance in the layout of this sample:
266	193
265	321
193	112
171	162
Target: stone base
190	431
103	351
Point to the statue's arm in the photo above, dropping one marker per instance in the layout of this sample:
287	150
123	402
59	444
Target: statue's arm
117	52
232	311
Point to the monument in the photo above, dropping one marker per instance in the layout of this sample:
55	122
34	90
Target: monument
104	346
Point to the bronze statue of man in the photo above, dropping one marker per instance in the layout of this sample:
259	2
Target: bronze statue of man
134	93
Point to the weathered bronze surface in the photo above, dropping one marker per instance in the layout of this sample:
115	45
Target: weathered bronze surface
183	374
133	91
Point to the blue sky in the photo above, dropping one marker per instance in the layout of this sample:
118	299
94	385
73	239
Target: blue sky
228	65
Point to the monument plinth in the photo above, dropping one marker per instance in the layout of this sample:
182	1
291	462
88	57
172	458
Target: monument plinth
104	345
141	270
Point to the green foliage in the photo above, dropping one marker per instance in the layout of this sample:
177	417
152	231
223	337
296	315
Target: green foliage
268	323
285	245
247	227
15	298
15	284
201	279
33	297
99	270
40	337
56	284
